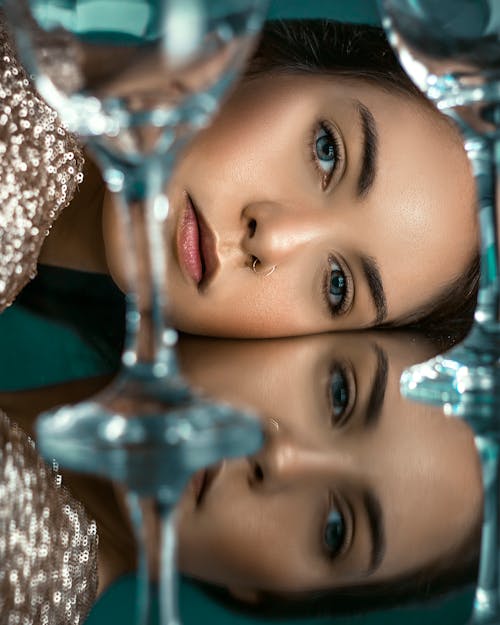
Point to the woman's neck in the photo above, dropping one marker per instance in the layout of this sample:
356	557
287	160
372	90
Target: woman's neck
75	240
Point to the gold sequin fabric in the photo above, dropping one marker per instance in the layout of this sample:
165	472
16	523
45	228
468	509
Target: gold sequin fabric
48	546
40	168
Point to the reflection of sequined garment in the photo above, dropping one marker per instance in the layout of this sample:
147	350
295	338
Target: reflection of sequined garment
40	168
48	547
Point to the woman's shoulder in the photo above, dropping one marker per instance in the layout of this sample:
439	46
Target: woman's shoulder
40	168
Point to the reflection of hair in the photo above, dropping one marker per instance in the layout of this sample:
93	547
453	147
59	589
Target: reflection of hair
423	588
360	51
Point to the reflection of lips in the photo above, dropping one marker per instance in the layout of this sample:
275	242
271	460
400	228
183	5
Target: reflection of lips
202	480
188	242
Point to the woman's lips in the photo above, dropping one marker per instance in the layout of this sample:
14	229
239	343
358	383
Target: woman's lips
202	480
188	243
196	246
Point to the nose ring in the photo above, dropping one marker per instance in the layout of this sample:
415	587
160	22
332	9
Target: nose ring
264	275
274	424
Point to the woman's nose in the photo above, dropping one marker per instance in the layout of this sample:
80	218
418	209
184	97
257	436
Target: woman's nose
284	461
274	232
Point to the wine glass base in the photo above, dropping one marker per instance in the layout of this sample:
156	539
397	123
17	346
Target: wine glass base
150	438
467	375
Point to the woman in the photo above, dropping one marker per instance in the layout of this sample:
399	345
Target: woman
328	194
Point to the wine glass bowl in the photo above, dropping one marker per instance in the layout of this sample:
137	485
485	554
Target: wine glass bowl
118	79
450	49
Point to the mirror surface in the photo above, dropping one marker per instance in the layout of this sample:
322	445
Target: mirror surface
361	507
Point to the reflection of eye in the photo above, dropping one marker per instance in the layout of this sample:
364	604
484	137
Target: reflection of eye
335	533
339	393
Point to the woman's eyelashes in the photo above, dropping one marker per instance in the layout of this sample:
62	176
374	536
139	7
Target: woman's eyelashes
326	152
334	533
341	394
337	529
337	289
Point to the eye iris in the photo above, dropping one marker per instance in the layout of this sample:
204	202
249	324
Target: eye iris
325	148
334	532
337	282
340	395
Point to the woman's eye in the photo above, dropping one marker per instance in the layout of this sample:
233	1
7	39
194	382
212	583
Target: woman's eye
334	533
337	289
339	394
326	153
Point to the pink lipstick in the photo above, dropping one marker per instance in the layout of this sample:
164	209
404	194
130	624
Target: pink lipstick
196	246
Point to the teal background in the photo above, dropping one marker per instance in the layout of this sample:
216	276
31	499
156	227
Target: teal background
359	11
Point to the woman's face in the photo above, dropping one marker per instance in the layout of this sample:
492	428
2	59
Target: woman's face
355	205
353	484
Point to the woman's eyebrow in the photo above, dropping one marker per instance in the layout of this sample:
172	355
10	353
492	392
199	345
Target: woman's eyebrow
376	524
374	280
370	150
377	393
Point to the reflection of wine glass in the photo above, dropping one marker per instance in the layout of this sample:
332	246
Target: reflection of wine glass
451	50
483	419
138	78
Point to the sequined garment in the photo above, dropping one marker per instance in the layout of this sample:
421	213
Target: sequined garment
48	546
40	167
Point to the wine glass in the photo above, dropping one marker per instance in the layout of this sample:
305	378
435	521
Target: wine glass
451	50
137	79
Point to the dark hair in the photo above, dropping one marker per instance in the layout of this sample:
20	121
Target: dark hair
361	51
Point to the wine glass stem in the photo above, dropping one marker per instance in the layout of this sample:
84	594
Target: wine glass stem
484	166
144	600
168	567
150	566
149	348
487	599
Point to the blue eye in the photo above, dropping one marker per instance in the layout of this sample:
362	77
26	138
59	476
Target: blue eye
337	290
334	533
326	153
339	394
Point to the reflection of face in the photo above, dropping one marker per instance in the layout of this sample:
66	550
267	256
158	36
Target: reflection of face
276	178
353	484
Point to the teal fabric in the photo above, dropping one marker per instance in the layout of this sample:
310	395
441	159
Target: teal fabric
61	354
74	323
